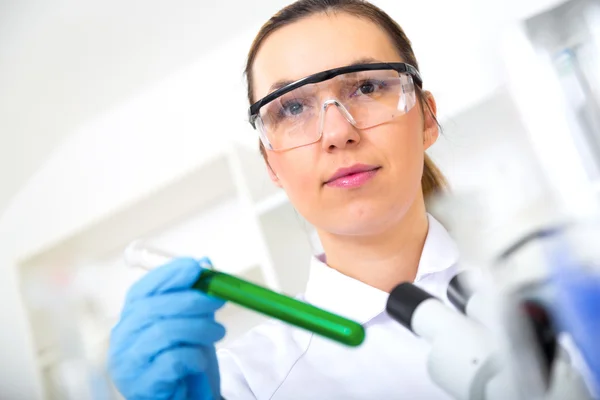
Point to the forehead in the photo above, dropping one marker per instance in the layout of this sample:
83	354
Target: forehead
315	44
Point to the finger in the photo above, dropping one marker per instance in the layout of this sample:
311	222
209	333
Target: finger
163	378
177	364
186	303
181	393
179	274
199	387
142	313
169	334
207	386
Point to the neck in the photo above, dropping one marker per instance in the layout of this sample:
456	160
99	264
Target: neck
381	260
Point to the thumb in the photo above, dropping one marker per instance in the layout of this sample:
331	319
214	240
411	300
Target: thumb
178	274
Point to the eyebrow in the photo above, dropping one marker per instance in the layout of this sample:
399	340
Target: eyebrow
284	82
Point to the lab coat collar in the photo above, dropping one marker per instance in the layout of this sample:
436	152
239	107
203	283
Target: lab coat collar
338	293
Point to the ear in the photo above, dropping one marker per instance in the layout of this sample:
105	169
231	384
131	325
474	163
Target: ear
431	130
273	175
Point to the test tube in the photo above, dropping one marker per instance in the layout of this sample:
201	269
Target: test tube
255	297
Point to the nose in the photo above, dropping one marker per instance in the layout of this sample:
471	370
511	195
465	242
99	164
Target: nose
338	131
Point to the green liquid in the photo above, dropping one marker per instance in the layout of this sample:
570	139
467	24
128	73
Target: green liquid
281	307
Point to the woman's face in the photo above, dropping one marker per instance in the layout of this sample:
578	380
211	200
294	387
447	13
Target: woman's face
367	203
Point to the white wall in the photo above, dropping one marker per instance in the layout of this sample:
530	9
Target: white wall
110	162
549	120
172	127
487	156
65	62
486	145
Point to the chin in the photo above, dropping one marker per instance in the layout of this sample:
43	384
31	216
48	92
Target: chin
366	220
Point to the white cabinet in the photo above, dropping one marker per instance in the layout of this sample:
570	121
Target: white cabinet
227	209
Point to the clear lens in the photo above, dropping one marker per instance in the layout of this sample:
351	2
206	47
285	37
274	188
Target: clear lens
370	97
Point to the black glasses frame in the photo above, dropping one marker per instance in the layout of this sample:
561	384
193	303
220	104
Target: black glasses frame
331	73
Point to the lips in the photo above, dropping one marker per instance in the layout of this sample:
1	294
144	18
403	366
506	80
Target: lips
357	170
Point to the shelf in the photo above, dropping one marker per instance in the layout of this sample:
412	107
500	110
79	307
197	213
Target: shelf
288	238
223	232
49	357
233	218
596	186
271	202
195	192
255	172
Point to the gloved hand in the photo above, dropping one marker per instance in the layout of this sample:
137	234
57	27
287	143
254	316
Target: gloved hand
163	346
578	296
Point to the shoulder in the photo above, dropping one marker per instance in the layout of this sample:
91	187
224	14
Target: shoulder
260	360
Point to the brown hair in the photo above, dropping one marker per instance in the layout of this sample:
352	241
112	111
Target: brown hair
432	180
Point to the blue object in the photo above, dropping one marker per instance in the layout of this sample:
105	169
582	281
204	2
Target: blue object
163	346
577	305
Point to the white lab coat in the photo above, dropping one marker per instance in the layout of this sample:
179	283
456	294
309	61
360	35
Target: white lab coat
278	361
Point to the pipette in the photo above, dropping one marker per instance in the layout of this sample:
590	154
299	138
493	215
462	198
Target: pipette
255	297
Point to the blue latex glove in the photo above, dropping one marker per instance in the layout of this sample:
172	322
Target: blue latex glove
579	311
577	298
163	346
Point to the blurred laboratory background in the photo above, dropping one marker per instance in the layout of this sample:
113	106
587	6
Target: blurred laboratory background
125	120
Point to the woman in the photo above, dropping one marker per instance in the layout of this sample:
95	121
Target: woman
348	147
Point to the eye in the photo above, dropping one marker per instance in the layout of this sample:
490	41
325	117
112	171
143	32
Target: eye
294	108
369	87
291	108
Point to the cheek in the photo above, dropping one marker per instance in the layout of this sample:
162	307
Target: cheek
403	144
296	173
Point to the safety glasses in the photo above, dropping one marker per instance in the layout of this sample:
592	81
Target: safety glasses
366	95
